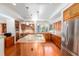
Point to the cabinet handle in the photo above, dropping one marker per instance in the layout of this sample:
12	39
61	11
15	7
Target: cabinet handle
31	49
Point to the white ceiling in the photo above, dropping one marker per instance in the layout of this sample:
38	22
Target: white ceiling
46	11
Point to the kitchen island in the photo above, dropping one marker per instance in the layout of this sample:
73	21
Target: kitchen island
35	45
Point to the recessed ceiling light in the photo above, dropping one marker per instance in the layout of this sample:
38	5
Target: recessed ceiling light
27	23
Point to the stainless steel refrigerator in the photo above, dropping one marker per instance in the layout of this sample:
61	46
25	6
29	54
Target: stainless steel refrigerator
70	36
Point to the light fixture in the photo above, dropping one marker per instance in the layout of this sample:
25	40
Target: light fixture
27	23
35	16
14	4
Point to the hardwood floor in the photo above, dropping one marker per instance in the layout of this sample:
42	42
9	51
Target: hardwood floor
51	50
33	49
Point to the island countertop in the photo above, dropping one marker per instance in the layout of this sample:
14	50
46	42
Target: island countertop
32	38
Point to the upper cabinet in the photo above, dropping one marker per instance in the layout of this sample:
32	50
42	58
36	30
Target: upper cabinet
27	27
71	12
66	14
3	28
17	25
57	26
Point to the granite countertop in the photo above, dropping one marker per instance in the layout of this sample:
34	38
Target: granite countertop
32	38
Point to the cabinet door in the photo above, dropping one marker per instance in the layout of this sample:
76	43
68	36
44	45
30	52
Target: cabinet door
71	12
4	29
66	15
74	10
30	49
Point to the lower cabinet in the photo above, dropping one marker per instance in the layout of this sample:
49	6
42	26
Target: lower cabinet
29	49
53	38
56	40
9	41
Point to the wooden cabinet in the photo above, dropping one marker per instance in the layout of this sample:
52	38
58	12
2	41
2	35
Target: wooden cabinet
3	28
17	25
29	49
66	14
71	12
57	26
37	49
27	27
48	37
23	27
53	38
56	40
17	29
9	41
74	10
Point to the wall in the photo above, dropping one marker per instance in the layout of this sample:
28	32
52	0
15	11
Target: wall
1	46
11	26
1	38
